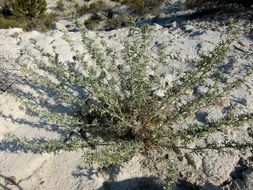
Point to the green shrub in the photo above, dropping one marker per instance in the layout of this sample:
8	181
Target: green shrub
28	15
144	6
90	24
42	23
28	8
116	112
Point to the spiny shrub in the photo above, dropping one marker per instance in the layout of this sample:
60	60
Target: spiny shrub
120	107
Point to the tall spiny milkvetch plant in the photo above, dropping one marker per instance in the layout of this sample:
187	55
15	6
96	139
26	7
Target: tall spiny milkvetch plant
116	110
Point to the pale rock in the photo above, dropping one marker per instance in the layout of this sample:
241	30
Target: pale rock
157	27
55	34
215	113
59	26
168	80
63	50
10	32
25	37
242	42
200	90
174	24
160	93
45	43
194	160
189	28
216	168
241	48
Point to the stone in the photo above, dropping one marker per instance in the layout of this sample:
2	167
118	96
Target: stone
59	26
189	28
158	27
244	43
10	32
200	90
193	160
217	169
174	24
160	93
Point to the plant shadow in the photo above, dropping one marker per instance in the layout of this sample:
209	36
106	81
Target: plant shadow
180	15
9	182
28	91
139	183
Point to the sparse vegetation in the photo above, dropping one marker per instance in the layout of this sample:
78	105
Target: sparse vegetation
218	3
143	6
8	22
42	24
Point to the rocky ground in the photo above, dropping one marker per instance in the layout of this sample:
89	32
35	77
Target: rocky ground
186	36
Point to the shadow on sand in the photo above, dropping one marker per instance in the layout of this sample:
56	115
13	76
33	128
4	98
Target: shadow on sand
9	183
141	183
